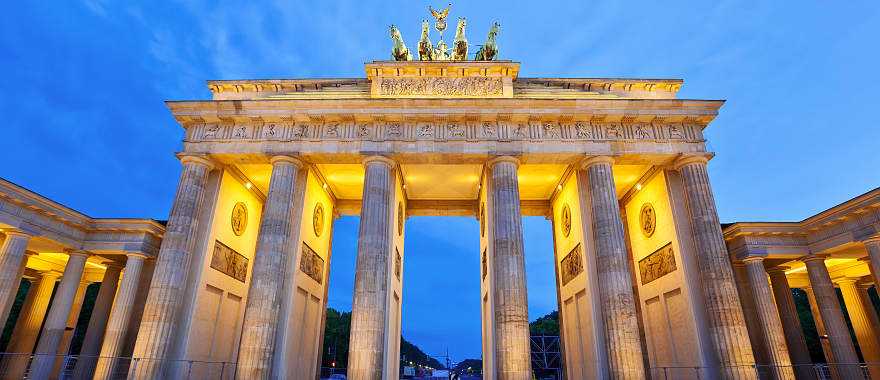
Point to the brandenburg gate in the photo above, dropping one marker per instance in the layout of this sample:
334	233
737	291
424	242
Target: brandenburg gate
618	165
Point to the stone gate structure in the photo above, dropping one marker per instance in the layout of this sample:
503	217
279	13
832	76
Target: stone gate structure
239	273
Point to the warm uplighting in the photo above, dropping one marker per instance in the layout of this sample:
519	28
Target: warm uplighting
248	185
325	186
638	186
559	187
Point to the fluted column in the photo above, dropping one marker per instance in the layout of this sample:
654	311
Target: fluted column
274	250
159	321
727	326
820	330
98	322
27	328
118	323
872	245
11	258
616	291
70	327
56	320
369	305
869	308
771	325
832	317
750	313
512	345
791	324
861	324
4	313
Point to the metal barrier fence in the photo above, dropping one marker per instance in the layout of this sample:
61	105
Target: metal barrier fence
821	371
15	366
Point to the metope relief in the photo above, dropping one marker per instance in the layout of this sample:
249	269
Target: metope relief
229	262
312	264
657	264
572	265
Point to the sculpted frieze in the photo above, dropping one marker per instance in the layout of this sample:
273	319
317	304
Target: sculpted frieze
445	131
441	86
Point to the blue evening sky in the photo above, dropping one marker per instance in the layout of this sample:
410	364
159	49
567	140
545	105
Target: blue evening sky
85	124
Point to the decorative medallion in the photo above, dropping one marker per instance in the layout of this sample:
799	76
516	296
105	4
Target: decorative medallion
648	219
483	219
318	219
400	218
566	220
239	218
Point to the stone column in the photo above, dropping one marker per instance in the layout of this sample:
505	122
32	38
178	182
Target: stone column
820	330
616	291
727	326
861	324
872	245
512	342
27	328
158	325
56	320
4	313
11	258
869	308
791	324
771	325
274	250
750	313
118	323
98	322
70	327
846	360
369	306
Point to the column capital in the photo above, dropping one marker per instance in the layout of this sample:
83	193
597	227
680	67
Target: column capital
595	160
379	159
51	273
136	255
498	159
753	259
691	159
845	280
77	252
16	232
864	285
201	159
777	270
872	239
296	161
809	258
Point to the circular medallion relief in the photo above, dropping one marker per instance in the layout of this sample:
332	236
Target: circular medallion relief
648	219
483	219
239	218
400	218
318	219
566	220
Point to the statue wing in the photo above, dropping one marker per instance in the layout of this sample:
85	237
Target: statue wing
434	12
445	11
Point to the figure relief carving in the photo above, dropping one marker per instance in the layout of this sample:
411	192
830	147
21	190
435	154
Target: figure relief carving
657	264
398	263
269	131
312	264
393	130
648	219
238	220
455	130
426	130
572	265
211	131
401	218
612	131
363	130
551	130
583	131
641	131
331	130
240	131
229	262
489	129
521	131
483	219
440	86
675	132
300	130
